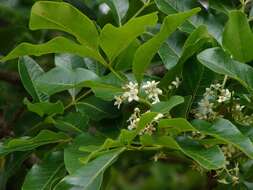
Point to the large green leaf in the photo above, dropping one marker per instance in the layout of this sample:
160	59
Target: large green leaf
166	106
220	62
208	158
45	108
84	177
147	51
224	130
114	40
29	143
59	79
97	109
42	176
29	71
56	45
238	37
63	16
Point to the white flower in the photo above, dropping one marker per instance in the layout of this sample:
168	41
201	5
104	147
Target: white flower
134	119
148	130
152	91
132	92
118	101
176	83
224	96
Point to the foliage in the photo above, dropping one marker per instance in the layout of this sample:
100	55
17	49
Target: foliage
123	90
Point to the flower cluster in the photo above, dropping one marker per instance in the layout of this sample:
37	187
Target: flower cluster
149	128
212	98
228	176
131	91
240	117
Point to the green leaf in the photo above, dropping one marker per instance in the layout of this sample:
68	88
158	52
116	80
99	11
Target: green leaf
114	40
88	175
147	51
63	16
29	143
208	158
119	9
29	71
224	130
220	62
45	108
97	109
238	37
42	176
56	45
59	79
165	107
72	153
106	87
73	122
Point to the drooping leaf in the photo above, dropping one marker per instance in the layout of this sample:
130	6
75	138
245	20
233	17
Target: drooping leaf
225	130
114	40
63	16
59	79
56	45
166	106
238	37
29	143
88	175
220	62
45	108
29	71
42	176
146	52
97	109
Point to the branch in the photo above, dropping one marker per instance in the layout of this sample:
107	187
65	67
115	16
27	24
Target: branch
10	77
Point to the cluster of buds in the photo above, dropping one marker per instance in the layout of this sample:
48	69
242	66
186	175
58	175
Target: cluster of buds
228	150
131	91
228	176
213	96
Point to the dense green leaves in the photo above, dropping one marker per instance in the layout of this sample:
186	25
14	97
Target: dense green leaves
29	71
238	37
165	107
64	17
146	52
29	143
44	176
89	175
114	40
220	62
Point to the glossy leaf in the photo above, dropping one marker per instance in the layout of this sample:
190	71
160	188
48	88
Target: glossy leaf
29	143
225	130
238	37
29	71
114	40
166	106
119	9
220	62
97	109
147	51
84	177
56	45
42	176
59	79
45	108
63	16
